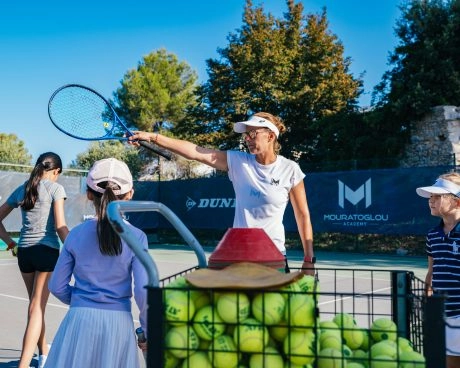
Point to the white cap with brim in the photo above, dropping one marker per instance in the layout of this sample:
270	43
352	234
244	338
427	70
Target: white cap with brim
113	170
258	122
441	186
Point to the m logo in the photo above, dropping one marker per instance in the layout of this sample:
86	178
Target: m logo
354	196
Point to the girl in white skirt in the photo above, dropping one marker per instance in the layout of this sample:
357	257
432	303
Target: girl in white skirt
98	330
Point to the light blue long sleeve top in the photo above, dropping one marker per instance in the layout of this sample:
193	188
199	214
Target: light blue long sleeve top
100	281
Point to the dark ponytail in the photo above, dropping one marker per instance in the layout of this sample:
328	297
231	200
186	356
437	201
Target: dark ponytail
46	162
109	240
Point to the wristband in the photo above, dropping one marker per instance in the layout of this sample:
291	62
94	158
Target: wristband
11	245
309	259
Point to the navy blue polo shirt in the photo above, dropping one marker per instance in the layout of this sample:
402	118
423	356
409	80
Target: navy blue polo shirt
445	251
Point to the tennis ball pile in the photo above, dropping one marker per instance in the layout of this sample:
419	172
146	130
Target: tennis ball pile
342	340
274	328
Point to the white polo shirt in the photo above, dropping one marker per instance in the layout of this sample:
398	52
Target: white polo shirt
262	192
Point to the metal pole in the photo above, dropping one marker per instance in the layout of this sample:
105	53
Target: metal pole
434	332
400	292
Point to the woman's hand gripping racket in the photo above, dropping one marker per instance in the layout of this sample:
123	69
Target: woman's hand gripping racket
82	113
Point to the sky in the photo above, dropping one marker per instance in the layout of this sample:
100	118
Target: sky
46	44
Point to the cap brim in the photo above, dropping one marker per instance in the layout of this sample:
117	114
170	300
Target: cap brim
240	127
426	192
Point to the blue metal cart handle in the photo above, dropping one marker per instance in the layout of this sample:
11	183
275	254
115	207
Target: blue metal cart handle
115	212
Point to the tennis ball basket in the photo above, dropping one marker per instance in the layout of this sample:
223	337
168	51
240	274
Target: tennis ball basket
240	313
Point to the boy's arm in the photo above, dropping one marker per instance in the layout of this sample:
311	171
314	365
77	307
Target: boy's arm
429	277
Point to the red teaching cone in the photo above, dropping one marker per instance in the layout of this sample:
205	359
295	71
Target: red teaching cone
246	245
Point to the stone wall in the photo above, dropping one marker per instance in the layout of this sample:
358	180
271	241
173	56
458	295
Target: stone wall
435	139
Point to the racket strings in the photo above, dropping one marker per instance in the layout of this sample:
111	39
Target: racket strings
83	114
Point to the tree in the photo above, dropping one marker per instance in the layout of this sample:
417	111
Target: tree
425	66
292	67
106	149
13	151
159	90
424	72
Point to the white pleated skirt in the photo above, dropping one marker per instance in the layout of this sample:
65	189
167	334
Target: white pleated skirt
94	338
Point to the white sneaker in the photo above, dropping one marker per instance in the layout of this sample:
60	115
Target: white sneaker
42	361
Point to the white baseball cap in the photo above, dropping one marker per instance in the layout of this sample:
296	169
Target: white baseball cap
110	169
256	121
441	186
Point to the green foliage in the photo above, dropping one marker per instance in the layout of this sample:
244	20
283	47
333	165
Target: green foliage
13	151
292	67
426	63
106	149
425	72
158	90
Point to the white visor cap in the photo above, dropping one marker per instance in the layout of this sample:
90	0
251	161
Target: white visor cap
258	122
441	186
113	170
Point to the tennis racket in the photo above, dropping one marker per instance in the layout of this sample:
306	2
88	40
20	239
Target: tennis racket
82	113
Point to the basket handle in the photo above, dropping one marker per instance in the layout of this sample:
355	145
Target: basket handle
115	210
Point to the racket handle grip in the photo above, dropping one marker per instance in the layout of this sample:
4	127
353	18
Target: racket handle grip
141	338
140	335
167	155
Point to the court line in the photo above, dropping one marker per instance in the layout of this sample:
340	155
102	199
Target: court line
27	300
353	296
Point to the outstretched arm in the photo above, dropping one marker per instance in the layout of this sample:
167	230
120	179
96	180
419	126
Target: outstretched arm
212	157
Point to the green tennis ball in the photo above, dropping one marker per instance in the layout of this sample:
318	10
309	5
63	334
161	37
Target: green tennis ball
344	320
366	339
268	307
330	339
279	331
411	359
355	365
250	336
179	307
207	323
404	345
299	347
199	359
223	353
181	341
353	337
290	289
331	358
288	364
346	352
384	361
360	354
270	358
170	361
383	329
200	298
328	326
300	311
385	347
179	282
308	284
233	307
361	357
